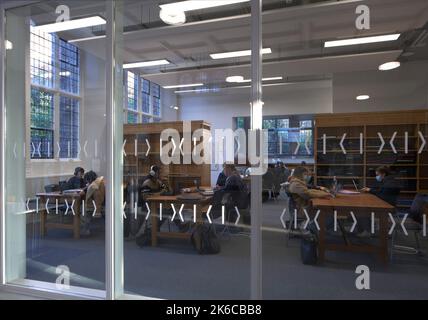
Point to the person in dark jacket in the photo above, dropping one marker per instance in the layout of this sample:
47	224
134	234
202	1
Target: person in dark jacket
386	186
221	180
387	189
76	181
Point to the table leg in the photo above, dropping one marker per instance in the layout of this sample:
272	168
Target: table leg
154	220
321	237
43	223
383	237
76	220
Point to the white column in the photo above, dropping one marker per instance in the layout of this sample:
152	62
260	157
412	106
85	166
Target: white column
256	123
114	196
14	126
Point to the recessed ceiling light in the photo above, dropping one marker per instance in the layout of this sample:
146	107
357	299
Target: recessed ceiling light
389	65
190	5
363	97
71	24
172	17
364	40
234	54
176	108
184	85
145	64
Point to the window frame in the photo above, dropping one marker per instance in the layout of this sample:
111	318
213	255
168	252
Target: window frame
140	96
57	93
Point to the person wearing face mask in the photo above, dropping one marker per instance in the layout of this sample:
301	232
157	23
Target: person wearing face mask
300	192
387	189
386	186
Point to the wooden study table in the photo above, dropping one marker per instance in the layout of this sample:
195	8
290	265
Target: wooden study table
362	205
61	197
156	199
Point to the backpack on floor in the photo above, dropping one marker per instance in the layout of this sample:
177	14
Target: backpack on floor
309	249
205	240
309	245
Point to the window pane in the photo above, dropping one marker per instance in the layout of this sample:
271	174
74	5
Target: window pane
145	85
156	106
146	119
69	127
155	90
42	56
132	90
132	117
146	103
42	118
306	124
69	67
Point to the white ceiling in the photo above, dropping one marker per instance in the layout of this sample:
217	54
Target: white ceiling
296	36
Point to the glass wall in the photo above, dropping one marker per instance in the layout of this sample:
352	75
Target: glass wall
175	76
347	165
55	145
130	166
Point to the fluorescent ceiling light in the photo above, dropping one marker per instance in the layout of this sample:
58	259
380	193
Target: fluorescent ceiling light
233	79
235	54
8	45
145	64
389	66
240	79
65	73
86	39
190	5
363	97
184	85
364	40
71	24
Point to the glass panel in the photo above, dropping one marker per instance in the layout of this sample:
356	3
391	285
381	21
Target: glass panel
347	159
55	140
185	92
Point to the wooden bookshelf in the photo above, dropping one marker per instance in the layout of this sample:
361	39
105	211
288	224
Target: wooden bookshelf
411	168
138	161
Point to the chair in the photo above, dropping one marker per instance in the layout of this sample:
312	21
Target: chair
268	184
52	188
231	201
412	225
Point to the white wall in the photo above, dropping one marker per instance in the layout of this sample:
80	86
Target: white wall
168	100
219	108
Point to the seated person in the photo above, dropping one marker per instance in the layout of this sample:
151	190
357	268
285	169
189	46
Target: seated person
152	181
95	193
386	186
387	189
300	191
221	180
234	187
76	182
